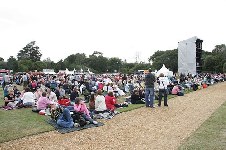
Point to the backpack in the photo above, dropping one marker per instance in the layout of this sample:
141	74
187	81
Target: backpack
77	118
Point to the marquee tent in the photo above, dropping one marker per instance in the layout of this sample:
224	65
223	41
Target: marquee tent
165	71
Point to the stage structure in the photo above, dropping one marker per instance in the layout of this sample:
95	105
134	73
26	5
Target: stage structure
189	56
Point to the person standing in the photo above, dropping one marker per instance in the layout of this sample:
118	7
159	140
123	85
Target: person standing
149	88
163	91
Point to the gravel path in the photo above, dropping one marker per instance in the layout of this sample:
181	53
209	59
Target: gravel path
144	128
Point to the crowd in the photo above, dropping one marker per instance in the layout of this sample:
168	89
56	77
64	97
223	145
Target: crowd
48	93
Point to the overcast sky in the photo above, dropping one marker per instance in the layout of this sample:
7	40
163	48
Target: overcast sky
117	28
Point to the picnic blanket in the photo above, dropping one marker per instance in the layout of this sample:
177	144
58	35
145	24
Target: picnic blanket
67	130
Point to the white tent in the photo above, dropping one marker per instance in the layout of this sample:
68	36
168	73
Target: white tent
165	71
69	72
49	71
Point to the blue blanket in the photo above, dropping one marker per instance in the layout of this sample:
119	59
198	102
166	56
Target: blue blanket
67	130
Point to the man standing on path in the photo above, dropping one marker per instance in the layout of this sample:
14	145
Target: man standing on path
149	88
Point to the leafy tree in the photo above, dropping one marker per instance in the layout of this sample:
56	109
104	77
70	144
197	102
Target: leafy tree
60	65
126	68
155	56
210	64
224	68
219	48
76	61
1	59
139	66
12	64
25	65
49	64
98	62
168	57
114	64
3	65
39	65
30	52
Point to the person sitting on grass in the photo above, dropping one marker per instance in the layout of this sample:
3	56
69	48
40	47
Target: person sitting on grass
28	98
80	106
10	99
100	105
43	102
136	98
51	95
175	89
74	94
92	102
111	102
65	120
38	94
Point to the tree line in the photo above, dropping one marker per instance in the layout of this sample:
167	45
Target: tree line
29	59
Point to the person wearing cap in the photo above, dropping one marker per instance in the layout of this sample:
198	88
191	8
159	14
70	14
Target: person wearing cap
149	88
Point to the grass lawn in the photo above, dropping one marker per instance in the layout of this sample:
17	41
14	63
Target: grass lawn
20	123
211	135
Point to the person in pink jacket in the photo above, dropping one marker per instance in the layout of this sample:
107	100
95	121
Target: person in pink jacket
43	102
80	106
175	90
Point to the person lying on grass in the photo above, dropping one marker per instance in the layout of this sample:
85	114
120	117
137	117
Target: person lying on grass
80	106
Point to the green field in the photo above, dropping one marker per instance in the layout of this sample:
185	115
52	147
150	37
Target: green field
20	122
211	135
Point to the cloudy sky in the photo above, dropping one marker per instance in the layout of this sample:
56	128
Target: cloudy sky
118	28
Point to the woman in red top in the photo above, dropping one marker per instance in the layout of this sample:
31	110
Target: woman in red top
111	102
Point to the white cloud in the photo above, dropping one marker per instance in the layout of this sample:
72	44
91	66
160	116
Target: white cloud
120	28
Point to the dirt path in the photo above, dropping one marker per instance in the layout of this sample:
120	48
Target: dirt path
144	128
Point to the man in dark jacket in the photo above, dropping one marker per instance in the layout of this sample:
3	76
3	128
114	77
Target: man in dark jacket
149	88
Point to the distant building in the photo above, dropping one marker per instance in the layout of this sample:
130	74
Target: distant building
189	56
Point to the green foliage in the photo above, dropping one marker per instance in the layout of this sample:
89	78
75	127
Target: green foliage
49	64
169	58
219	48
39	65
210	63
25	65
3	65
1	59
114	64
98	63
60	65
30	52
224	68
76	61
12	64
